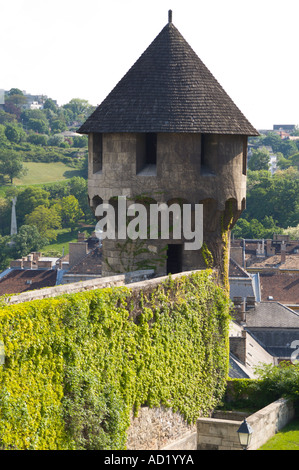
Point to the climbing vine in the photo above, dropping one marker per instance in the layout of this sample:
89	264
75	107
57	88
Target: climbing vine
77	365
225	230
207	256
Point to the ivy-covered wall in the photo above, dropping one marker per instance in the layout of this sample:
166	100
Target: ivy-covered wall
76	365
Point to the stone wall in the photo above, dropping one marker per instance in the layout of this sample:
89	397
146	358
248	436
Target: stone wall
91	284
269	420
221	434
179	176
159	428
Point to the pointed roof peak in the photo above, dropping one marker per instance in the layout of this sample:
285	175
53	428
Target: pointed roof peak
168	89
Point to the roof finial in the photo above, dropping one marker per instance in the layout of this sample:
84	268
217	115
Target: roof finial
169	16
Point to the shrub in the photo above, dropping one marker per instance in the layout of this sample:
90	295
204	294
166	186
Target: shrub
273	382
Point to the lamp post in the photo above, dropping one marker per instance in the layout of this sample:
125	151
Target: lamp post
245	434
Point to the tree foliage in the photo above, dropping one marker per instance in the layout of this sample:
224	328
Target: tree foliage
259	160
27	239
46	219
11	165
272	204
28	199
272	383
69	210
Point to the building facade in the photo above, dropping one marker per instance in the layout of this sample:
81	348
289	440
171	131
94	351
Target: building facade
167	133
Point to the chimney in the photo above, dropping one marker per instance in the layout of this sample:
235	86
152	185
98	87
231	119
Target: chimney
77	251
81	236
36	255
27	262
283	252
238	346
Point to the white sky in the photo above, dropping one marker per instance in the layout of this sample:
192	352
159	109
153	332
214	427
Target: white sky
80	49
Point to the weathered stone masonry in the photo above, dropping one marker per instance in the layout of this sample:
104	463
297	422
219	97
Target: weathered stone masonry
168	131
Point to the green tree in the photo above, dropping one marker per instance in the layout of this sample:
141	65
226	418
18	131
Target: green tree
259	160
38	125
293	232
55	140
294	159
4	143
80	141
5	216
6	118
13	133
11	164
28	114
15	91
4	252
27	239
69	210
38	139
80	108
14	102
58	126
253	228
28	199
275	196
50	104
47	221
78	188
16	99
57	190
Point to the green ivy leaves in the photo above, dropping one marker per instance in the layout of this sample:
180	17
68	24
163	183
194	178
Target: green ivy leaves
77	365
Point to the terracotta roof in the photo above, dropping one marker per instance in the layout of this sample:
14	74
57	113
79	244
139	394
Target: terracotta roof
283	286
22	280
168	89
291	262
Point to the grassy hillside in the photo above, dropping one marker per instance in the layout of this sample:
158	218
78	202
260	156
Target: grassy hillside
64	237
42	173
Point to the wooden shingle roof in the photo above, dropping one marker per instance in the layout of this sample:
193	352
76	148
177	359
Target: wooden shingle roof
168	89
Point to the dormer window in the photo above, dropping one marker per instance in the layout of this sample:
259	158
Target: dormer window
146	153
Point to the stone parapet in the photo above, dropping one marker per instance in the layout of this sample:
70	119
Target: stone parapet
221	434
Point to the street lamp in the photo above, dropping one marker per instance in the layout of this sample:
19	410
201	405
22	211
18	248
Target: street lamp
245	433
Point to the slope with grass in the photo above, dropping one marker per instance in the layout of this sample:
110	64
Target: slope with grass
286	439
43	173
64	237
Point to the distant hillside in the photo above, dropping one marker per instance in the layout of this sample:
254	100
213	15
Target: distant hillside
38	130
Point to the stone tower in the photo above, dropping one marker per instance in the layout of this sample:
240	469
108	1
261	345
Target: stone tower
166	133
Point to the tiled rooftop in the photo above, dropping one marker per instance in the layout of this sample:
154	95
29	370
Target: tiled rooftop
168	89
271	315
90	264
283	286
235	270
22	280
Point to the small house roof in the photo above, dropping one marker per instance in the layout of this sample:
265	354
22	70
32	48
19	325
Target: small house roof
168	89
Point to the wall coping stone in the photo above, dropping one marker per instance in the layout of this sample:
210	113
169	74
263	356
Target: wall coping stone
131	279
